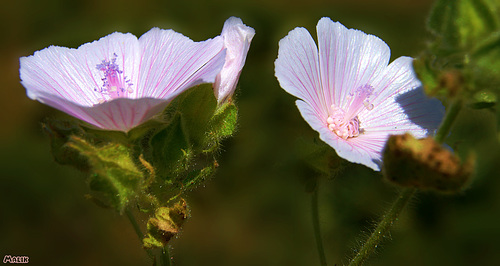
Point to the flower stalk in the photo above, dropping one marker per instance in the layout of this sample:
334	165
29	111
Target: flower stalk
383	227
448	120
316	227
406	194
137	229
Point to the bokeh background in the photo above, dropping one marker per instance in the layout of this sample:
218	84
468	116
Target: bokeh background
255	211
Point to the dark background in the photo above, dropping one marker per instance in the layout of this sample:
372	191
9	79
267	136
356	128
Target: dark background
255	211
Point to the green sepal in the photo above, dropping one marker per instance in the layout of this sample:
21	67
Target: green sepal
170	148
59	132
316	159
197	176
114	178
319	156
223	123
197	106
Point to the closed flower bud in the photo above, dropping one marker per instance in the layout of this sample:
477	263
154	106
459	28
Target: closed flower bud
165	225
424	164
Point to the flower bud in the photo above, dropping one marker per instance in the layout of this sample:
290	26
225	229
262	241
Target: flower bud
165	225
424	164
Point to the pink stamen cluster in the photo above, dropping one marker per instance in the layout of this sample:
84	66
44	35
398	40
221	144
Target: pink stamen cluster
346	124
115	85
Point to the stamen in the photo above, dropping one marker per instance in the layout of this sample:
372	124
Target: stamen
359	99
346	124
114	84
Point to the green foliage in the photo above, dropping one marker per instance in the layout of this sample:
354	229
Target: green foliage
182	152
59	133
463	59
114	178
154	163
197	107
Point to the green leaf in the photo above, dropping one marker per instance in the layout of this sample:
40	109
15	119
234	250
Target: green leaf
442	22
459	24
485	63
114	177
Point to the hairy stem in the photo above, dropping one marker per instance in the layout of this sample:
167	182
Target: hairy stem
317	231
165	257
391	216
137	229
383	227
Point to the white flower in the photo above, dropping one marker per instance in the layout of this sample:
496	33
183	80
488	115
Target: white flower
119	81
350	93
237	37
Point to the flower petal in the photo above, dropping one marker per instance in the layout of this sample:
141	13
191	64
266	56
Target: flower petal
400	104
297	68
171	63
357	151
237	37
120	114
71	74
348	59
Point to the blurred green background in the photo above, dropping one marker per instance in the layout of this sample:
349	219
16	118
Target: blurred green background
255	211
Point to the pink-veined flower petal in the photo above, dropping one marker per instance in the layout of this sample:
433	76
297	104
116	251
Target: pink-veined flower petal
348	59
237	38
152	70
71	74
171	62
297	68
347	83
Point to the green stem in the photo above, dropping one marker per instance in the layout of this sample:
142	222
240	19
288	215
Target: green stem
385	224
165	257
317	231
137	229
383	227
451	115
132	220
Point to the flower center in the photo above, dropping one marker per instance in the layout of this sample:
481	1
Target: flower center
115	85
346	123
